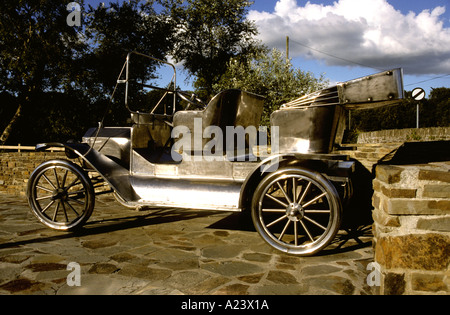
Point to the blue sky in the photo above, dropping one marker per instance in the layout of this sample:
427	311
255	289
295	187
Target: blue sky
336	37
381	34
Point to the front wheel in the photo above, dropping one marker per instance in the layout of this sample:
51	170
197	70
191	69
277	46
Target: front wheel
296	211
61	195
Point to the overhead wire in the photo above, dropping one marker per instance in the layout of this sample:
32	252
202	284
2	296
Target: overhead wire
333	56
360	64
439	77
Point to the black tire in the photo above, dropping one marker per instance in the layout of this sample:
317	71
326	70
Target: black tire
296	211
61	195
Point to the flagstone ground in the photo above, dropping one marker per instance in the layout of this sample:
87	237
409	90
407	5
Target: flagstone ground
169	251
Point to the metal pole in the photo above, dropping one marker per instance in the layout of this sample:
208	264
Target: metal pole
287	48
417	118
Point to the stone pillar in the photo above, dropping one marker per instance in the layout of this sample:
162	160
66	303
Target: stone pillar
412	228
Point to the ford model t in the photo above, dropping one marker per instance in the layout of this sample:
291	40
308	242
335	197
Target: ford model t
215	156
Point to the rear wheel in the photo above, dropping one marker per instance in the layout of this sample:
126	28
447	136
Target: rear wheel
61	195
296	211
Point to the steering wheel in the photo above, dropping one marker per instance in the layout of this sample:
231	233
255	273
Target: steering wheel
192	99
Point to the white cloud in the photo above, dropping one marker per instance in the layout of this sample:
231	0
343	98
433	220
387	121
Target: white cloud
370	32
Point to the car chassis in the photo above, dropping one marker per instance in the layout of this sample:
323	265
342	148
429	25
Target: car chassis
296	192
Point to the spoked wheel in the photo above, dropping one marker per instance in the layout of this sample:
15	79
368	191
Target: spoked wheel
296	211
61	195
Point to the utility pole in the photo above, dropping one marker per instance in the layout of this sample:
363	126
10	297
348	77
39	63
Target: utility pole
287	48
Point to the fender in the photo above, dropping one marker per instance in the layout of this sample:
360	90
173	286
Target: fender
114	174
335	165
268	165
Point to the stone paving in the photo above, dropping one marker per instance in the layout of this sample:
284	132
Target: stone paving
168	252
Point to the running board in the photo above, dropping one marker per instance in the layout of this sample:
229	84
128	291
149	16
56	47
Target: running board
190	194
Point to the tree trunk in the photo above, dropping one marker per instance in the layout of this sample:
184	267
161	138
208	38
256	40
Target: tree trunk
5	135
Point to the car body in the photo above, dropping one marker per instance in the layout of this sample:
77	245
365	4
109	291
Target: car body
216	156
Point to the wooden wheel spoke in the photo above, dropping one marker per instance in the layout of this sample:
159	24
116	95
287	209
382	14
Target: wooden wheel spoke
56	178
277	220
277	200
65	212
43	188
48	181
284	193
73	209
307	231
56	211
48	206
313	200
304	193
274	210
316	223
284	230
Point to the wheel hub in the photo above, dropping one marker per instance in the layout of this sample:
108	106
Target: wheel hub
59	194
295	212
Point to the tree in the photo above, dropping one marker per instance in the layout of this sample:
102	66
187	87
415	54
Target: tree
210	33
433	112
38	48
115	31
269	74
436	111
42	56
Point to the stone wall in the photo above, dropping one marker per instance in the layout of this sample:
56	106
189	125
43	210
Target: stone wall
412	228
16	168
368	154
403	135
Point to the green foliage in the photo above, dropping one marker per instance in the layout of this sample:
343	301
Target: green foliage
209	34
115	31
433	112
269	74
436	110
38	53
41	55
37	46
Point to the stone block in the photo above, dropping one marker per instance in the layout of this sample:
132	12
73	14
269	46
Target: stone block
382	218
428	282
394	283
376	185
440	206
441	176
422	251
436	191
441	224
418	207
398	193
388	173
360	155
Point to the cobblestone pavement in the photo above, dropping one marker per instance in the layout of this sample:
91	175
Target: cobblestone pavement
170	251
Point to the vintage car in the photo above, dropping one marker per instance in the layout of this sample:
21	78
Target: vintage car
215	156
